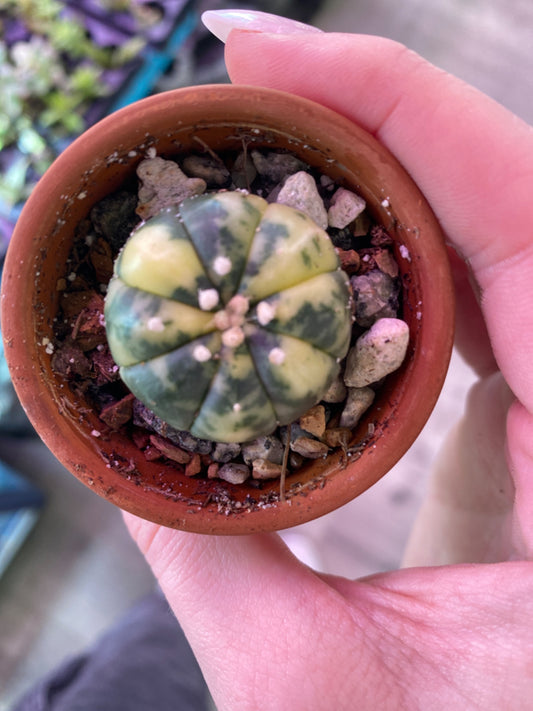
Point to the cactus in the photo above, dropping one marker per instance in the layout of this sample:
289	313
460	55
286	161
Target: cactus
228	316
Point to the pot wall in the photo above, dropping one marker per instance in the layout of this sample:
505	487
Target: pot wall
222	116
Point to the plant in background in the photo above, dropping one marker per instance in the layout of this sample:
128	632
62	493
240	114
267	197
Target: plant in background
50	74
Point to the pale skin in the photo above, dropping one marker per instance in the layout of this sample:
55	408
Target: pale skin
454	628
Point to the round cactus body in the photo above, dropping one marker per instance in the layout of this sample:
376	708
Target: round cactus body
228	316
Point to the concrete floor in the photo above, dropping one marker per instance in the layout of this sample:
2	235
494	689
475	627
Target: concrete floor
79	570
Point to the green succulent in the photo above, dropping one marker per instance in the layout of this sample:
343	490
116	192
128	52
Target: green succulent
228	316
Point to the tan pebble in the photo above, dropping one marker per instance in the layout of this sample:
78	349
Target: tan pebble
338	437
314	421
309	448
357	403
194	466
212	470
170	450
263	469
350	260
234	473
336	392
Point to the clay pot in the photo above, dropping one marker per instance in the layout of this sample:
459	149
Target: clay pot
97	164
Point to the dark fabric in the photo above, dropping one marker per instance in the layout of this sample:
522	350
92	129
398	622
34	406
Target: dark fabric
142	664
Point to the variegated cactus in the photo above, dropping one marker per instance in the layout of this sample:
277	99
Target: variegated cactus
228	316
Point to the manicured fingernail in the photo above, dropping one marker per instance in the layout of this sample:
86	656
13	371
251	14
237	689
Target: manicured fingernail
221	22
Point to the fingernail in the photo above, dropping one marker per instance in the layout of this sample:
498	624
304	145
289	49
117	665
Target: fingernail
221	22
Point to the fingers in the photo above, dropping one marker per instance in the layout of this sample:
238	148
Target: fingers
466	516
520	456
470	157
242	603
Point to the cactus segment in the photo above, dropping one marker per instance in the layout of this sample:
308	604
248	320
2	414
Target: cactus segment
291	370
236	403
228	316
222	231
175	385
159	258
285	236
142	326
313	311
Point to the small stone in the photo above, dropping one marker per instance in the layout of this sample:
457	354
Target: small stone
301	193
118	413
234	473
194	466
386	263
226	452
349	259
357	403
336	391
164	184
264	469
212	470
314	421
213	171
309	448
268	447
377	353
338	437
345	207
375	296
276	166
170	450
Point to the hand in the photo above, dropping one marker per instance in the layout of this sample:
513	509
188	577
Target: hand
269	632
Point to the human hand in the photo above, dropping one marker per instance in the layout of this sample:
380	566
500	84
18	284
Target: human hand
269	632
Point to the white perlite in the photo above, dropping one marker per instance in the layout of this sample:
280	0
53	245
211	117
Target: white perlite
377	353
345	207
301	193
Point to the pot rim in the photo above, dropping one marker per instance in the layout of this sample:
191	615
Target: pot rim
60	193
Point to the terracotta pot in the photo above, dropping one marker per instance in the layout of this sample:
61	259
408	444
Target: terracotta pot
97	164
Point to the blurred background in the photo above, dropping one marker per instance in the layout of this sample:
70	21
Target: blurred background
67	566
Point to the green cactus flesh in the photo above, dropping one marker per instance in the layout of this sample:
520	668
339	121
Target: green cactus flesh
228	316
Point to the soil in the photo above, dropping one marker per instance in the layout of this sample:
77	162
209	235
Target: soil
81	353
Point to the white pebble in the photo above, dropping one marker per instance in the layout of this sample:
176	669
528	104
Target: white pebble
301	193
345	207
377	353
